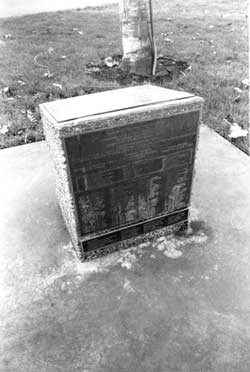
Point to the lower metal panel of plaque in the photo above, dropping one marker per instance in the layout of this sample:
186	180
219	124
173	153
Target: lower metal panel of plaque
103	243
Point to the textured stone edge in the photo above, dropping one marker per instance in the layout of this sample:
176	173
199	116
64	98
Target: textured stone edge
63	192
195	151
129	116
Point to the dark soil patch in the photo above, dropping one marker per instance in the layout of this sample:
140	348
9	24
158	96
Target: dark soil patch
167	69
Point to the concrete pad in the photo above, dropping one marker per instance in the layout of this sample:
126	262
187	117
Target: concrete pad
136	310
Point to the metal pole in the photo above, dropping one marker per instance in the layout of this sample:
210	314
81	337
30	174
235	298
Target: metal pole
153	38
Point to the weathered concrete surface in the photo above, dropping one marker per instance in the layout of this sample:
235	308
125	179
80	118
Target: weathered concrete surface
138	310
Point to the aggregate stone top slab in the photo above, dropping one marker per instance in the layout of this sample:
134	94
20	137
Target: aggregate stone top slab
110	101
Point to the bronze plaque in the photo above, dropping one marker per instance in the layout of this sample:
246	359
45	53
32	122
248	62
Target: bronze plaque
124	176
135	230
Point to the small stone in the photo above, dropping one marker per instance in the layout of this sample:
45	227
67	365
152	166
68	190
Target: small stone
172	253
161	239
161	246
144	245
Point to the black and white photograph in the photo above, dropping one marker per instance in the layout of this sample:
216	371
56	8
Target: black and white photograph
124	186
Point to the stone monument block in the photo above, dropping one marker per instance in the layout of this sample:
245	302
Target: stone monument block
124	163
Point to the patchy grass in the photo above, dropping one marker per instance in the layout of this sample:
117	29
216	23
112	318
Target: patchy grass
210	36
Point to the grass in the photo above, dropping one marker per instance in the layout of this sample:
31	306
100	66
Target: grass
210	36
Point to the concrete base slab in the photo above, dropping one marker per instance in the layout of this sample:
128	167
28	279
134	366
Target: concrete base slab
176	304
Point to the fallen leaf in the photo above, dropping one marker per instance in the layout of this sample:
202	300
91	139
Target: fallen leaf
50	50
21	82
237	99
7	36
93	69
236	131
63	57
238	90
31	116
110	62
6	90
128	286
57	85
48	74
4	129
245	83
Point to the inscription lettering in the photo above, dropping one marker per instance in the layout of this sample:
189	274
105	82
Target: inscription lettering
132	173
